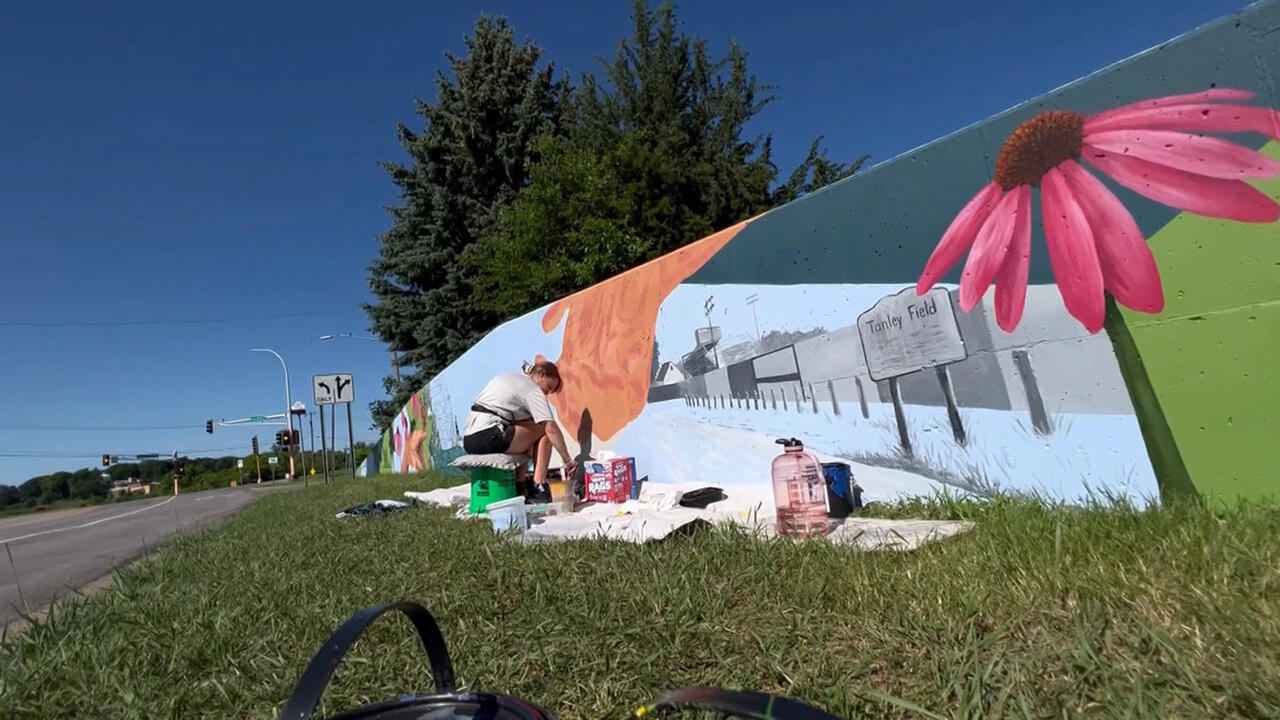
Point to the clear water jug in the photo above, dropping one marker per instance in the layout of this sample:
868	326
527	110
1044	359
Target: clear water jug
799	491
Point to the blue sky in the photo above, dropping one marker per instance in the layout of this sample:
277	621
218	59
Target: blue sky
184	161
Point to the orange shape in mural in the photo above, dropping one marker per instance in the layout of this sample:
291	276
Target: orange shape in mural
607	350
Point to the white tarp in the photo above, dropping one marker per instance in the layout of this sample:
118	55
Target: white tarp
657	514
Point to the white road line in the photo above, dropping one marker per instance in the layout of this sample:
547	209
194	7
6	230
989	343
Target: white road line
85	525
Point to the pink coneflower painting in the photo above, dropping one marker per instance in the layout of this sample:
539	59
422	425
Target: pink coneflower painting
1151	147
400	431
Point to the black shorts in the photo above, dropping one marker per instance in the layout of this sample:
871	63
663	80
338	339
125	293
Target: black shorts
489	441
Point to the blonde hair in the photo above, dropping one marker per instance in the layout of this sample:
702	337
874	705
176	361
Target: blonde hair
546	369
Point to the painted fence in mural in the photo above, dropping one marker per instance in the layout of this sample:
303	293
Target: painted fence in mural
1075	298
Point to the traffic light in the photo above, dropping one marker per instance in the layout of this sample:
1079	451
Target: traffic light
208	426
296	438
255	444
106	460
282	439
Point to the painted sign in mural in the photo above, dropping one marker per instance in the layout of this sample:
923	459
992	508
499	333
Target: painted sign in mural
909	331
1125	350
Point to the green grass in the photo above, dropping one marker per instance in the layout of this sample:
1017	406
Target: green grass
1039	612
15	510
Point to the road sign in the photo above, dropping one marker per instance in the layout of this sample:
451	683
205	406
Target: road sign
240	463
257	418
149	456
333	388
903	333
273	460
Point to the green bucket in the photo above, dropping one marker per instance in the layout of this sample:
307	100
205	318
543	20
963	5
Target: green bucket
490	485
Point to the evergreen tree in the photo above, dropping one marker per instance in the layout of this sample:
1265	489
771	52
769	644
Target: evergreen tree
654	156
466	163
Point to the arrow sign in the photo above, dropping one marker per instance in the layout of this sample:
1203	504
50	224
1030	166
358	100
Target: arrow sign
333	388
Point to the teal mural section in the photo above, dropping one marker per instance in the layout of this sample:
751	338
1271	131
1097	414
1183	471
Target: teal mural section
1037	304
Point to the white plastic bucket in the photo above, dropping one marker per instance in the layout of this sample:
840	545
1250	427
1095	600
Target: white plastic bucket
508	515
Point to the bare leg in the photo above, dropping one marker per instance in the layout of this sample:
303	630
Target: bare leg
542	461
525	440
530	437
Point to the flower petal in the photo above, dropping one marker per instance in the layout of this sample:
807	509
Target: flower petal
1212	95
987	255
1192	118
1129	270
959	236
1011	282
1072	251
1208	156
1211	197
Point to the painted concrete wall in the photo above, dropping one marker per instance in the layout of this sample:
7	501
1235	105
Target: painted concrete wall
1158	192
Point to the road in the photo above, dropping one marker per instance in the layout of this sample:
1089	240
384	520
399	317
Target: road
55	552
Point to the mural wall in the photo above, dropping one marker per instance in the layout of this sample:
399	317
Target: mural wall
1078	297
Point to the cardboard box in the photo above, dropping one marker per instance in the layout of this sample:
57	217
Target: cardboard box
609	480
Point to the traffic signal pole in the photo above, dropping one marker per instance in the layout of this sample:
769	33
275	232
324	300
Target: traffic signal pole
257	461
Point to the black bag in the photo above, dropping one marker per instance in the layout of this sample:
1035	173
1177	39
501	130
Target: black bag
447	702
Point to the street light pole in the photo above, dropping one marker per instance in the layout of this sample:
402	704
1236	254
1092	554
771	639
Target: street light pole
395	359
288	397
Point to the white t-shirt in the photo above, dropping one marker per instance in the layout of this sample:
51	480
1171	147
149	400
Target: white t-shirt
515	396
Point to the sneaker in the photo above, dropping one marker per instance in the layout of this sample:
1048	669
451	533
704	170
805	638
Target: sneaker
540	495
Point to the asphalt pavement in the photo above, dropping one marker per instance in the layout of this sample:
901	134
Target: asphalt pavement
54	553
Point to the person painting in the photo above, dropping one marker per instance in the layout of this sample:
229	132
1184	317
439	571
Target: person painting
512	415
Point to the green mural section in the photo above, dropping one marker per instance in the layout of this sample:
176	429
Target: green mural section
1213	354
386	463
410	445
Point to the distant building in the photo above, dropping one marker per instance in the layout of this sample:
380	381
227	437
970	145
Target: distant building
668	373
130	486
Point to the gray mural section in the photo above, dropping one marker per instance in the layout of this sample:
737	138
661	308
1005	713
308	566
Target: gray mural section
1048	366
